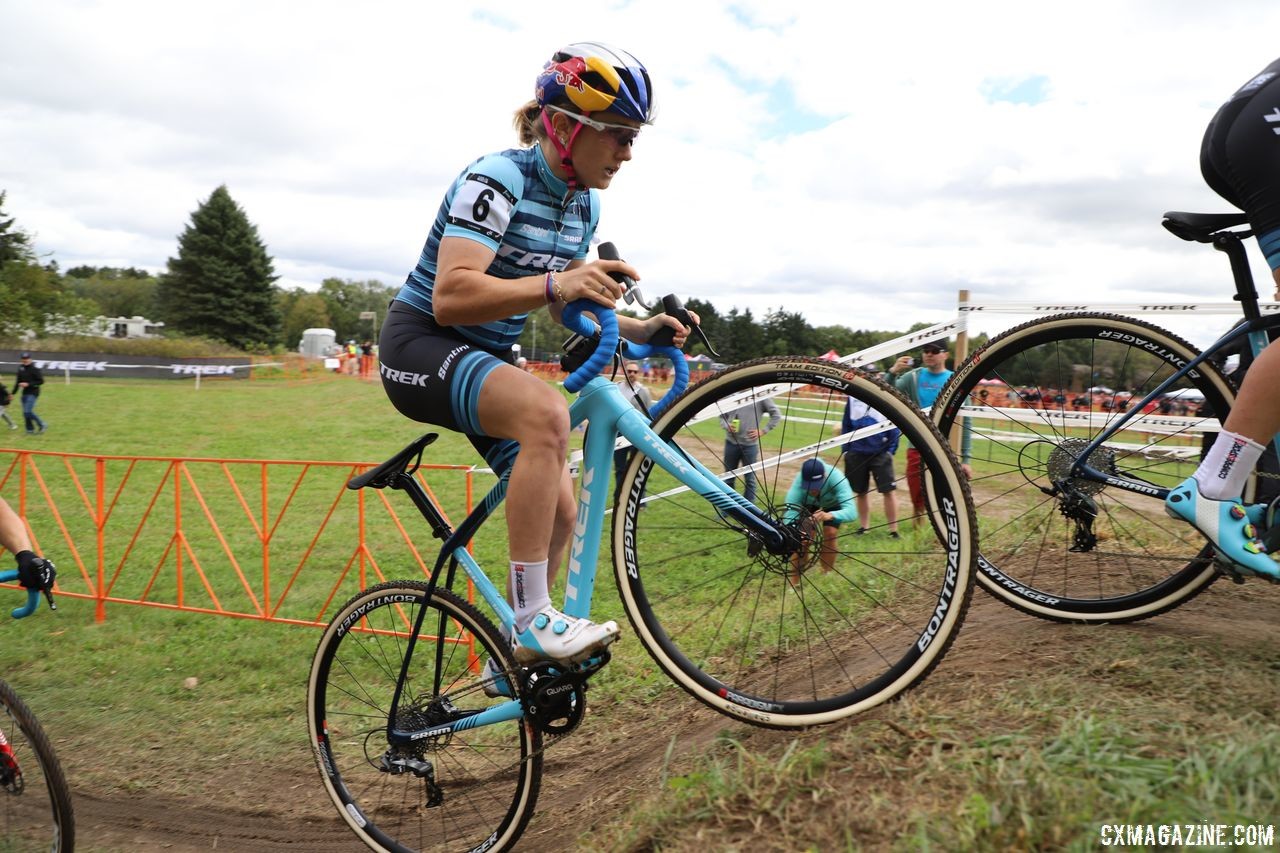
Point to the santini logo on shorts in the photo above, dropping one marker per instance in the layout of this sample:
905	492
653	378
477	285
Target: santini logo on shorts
403	376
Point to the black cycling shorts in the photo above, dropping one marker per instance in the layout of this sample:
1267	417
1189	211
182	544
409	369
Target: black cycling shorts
434	375
1240	155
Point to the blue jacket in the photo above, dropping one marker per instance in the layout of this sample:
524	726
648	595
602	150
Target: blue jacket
885	441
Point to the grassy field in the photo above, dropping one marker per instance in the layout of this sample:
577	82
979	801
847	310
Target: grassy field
1028	737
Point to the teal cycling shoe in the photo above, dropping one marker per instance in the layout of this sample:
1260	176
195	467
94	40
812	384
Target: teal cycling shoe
1227	525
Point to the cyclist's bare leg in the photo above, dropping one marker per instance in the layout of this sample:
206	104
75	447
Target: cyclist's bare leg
516	405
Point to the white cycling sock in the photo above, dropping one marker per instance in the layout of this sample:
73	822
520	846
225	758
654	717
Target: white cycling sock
1225	469
528	591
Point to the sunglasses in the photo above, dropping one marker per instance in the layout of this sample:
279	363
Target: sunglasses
621	135
633	373
930	351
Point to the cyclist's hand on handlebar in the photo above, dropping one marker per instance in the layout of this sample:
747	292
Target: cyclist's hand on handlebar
652	325
35	572
592	281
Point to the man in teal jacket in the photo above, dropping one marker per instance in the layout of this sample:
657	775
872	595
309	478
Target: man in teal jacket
827	496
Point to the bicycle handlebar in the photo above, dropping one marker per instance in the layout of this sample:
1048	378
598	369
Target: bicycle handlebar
33	596
632	350
573	320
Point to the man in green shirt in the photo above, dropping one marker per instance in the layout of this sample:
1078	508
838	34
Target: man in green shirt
828	498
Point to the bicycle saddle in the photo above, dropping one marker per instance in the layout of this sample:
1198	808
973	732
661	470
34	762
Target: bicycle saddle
382	476
1201	227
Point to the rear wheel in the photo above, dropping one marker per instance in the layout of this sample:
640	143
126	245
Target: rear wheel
1133	561
776	638
35	803
462	790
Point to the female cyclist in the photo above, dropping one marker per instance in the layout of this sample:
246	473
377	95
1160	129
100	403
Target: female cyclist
1240	160
511	235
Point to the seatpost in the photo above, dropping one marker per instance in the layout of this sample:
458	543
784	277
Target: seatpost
1246	293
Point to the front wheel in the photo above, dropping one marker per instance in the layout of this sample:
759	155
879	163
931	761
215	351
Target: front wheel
1034	398
451	790
835	621
35	803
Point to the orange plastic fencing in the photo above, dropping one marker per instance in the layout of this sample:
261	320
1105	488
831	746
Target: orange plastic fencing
278	541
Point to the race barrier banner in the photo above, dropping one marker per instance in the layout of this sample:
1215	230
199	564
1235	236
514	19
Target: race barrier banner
68	364
1166	308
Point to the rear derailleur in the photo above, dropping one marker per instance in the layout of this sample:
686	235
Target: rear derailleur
1082	511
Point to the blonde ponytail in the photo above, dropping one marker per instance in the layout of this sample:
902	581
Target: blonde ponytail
528	123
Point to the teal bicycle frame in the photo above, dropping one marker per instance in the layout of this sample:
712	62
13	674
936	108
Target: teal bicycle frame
601	404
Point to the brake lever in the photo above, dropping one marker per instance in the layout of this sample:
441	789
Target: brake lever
665	336
630	290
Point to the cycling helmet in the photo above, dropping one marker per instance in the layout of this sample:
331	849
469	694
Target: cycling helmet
594	77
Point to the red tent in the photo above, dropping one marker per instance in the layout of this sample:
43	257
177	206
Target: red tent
830	355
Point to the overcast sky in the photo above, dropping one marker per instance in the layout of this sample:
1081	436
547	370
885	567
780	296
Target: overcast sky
860	168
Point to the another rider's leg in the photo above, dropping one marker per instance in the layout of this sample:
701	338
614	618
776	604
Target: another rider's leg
1210	498
562	530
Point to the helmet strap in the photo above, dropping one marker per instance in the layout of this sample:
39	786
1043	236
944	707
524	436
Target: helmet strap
563	150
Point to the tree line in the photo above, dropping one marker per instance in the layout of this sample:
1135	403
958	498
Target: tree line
221	285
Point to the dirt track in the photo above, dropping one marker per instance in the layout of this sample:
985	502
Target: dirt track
283	808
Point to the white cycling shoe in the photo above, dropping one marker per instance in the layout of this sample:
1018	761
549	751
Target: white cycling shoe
556	636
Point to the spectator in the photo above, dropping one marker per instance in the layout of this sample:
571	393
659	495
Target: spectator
922	386
5	399
824	495
366	359
871	456
632	389
523	364
743	428
29	380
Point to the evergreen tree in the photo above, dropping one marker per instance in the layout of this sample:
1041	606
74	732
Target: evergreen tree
222	284
15	245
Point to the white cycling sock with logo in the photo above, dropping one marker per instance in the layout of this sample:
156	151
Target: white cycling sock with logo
1226	468
528	591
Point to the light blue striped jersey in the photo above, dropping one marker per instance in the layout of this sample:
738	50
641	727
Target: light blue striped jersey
512	203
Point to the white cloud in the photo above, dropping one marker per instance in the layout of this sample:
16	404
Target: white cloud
337	128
